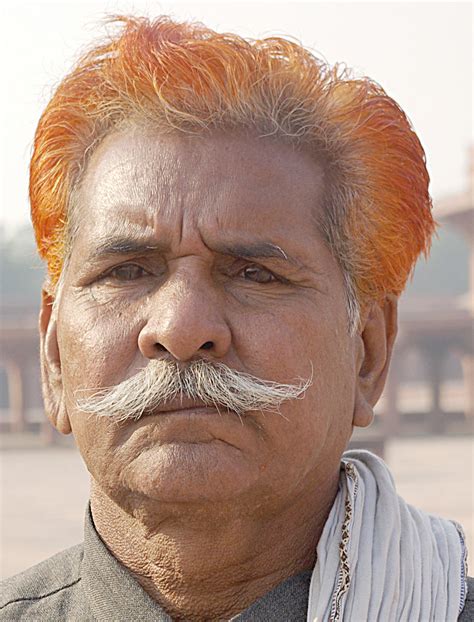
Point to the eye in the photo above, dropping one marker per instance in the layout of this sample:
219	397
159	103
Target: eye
126	272
258	274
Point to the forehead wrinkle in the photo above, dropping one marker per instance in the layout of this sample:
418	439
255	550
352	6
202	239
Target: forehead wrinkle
119	179
156	182
152	196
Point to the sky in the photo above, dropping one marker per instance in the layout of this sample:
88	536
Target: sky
420	52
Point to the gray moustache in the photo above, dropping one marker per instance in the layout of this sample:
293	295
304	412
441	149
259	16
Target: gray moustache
213	384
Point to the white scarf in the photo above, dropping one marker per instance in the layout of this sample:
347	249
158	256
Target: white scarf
382	560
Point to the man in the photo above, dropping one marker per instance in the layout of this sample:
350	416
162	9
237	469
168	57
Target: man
227	227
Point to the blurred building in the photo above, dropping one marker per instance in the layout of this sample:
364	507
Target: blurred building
436	338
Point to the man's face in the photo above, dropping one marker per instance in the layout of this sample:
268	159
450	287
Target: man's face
163	267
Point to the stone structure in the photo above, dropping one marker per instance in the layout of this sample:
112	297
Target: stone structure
439	327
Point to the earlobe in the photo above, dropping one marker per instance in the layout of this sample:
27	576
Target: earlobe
376	341
363	412
53	394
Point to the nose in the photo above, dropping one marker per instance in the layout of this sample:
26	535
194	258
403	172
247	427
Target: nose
186	320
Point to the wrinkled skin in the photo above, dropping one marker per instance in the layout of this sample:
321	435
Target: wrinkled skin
208	494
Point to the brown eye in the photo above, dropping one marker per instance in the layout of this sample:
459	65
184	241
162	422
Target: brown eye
258	275
127	272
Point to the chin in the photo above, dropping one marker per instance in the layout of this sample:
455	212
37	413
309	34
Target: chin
182	472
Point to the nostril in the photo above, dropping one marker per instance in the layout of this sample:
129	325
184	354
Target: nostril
207	346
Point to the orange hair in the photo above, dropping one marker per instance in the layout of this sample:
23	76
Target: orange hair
186	77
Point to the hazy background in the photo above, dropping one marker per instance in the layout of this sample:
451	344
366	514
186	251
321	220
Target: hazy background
420	52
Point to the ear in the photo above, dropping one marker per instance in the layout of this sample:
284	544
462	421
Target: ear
376	339
51	377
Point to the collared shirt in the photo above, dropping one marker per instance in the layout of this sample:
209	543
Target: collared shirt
86	583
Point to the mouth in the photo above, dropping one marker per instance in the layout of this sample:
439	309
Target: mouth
187	406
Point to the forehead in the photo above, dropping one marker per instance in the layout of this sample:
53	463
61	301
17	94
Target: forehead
139	180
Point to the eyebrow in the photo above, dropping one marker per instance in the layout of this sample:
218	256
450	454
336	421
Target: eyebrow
255	250
125	246
120	246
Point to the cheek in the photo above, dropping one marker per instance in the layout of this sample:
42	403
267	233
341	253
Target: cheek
287	347
98	344
286	343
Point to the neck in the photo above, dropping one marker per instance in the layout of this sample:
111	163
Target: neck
217	566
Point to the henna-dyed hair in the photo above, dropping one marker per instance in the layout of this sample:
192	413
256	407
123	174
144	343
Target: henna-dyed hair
184	77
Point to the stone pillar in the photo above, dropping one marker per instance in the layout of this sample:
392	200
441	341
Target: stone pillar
470	293
47	433
16	397
435	365
467	361
391	415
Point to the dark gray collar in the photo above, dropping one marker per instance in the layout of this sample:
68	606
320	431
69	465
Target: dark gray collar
113	592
